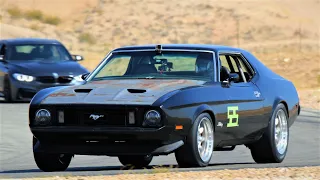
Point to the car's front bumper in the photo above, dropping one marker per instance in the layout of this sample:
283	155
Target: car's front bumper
109	141
24	91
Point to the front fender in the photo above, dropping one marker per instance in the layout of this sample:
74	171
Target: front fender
42	94
201	109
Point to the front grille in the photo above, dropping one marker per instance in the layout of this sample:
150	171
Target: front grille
65	79
51	79
46	79
108	116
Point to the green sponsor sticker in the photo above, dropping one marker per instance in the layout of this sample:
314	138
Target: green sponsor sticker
233	116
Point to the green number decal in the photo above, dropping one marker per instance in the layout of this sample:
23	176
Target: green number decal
232	114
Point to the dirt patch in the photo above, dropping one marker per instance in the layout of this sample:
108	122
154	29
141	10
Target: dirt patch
310	98
266	173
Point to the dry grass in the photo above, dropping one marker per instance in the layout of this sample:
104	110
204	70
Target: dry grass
34	15
266	173
53	20
14	12
87	38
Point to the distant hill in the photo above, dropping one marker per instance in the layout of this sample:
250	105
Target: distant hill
274	30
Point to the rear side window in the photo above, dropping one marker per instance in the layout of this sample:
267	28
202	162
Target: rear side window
235	62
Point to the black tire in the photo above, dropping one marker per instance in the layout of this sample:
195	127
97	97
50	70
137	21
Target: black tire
7	92
188	155
265	150
51	162
135	161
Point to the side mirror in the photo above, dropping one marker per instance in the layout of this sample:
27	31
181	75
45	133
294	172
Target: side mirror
1	57
84	76
77	57
234	77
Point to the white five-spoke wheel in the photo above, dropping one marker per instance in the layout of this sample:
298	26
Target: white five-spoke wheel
205	139
198	148
281	131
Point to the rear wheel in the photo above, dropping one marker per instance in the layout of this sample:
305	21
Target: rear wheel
272	147
198	150
136	161
51	162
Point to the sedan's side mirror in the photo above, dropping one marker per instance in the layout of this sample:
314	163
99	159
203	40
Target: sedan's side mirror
234	77
77	57
1	57
84	76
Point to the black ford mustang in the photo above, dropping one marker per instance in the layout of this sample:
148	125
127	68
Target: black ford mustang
144	101
28	65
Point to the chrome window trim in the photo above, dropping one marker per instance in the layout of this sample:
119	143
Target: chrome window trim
105	59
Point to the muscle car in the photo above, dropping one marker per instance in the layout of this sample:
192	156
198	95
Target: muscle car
150	100
28	65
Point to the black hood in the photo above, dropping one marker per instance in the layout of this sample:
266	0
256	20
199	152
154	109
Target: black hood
46	68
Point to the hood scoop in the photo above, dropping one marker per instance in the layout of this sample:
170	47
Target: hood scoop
82	90
137	90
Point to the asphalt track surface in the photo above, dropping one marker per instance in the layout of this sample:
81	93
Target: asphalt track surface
16	158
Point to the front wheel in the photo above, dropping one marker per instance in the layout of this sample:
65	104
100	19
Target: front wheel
50	162
7	91
198	150
136	161
272	147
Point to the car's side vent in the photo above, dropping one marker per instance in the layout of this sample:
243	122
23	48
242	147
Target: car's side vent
137	90
82	90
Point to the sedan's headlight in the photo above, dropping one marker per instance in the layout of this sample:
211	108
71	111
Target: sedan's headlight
23	77
43	117
152	119
78	78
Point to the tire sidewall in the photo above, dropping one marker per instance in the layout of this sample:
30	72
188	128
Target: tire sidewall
50	162
193	135
279	157
7	91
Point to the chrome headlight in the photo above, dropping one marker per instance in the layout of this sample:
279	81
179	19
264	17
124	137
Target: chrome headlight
43	117
152	119
23	77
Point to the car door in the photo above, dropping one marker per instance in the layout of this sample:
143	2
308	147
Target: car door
244	106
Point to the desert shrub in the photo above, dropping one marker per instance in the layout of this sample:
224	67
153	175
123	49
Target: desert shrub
34	15
35	27
14	12
53	20
87	38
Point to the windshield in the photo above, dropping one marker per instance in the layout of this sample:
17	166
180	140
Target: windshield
46	52
168	64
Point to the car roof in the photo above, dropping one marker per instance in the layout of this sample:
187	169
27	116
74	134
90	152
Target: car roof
205	47
17	41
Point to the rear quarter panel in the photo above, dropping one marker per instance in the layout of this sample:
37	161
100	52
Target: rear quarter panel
275	89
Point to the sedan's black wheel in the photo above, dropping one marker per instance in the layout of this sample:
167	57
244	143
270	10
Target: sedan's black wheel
198	149
51	162
273	145
135	161
7	92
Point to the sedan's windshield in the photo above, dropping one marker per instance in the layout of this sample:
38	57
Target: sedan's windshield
168	64
45	52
